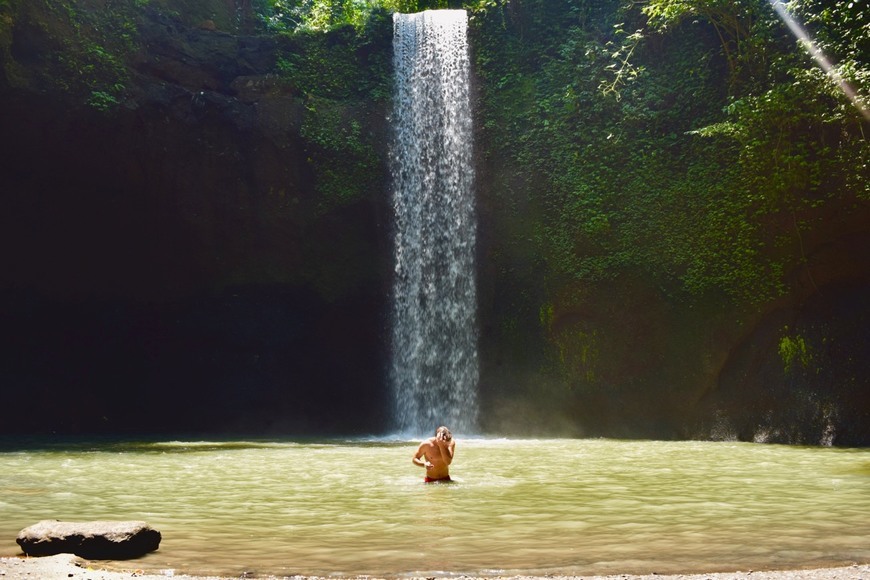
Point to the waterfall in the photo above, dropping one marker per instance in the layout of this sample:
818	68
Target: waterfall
434	335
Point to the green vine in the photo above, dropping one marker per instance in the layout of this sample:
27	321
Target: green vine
795	352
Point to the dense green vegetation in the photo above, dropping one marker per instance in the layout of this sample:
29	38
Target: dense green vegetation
342	77
672	138
683	158
693	145
320	15
92	40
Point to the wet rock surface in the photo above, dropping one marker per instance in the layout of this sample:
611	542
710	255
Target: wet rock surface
97	540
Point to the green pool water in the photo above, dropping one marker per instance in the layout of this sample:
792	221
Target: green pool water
517	506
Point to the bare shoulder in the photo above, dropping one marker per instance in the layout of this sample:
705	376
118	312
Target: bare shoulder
424	446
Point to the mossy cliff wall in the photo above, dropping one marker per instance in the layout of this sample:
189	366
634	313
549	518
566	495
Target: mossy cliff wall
196	226
674	244
191	241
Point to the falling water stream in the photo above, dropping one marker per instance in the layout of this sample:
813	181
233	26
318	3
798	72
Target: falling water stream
518	506
434	337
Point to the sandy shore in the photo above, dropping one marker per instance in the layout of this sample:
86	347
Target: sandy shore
74	568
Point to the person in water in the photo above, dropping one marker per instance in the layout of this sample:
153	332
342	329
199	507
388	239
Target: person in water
436	455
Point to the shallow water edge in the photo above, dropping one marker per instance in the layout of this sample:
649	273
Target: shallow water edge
67	566
539	507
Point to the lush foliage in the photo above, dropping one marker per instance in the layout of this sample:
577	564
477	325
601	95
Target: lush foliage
322	15
794	351
690	144
93	40
342	77
668	140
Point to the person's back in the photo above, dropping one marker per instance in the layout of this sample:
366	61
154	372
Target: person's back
436	455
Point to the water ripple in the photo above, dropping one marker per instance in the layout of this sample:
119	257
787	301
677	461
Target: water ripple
570	506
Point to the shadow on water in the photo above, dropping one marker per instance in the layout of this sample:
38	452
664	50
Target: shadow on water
183	443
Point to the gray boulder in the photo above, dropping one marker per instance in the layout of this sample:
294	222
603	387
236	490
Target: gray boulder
101	540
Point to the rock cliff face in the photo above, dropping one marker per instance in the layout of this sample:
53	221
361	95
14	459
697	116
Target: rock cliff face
169	261
194	228
584	335
628	358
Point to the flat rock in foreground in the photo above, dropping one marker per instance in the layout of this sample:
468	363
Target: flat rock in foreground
100	540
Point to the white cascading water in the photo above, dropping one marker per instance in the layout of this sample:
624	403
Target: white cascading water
434	333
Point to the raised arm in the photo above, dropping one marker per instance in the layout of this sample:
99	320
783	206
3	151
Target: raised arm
446	448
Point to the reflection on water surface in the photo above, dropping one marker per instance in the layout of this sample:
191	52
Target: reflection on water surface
359	507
